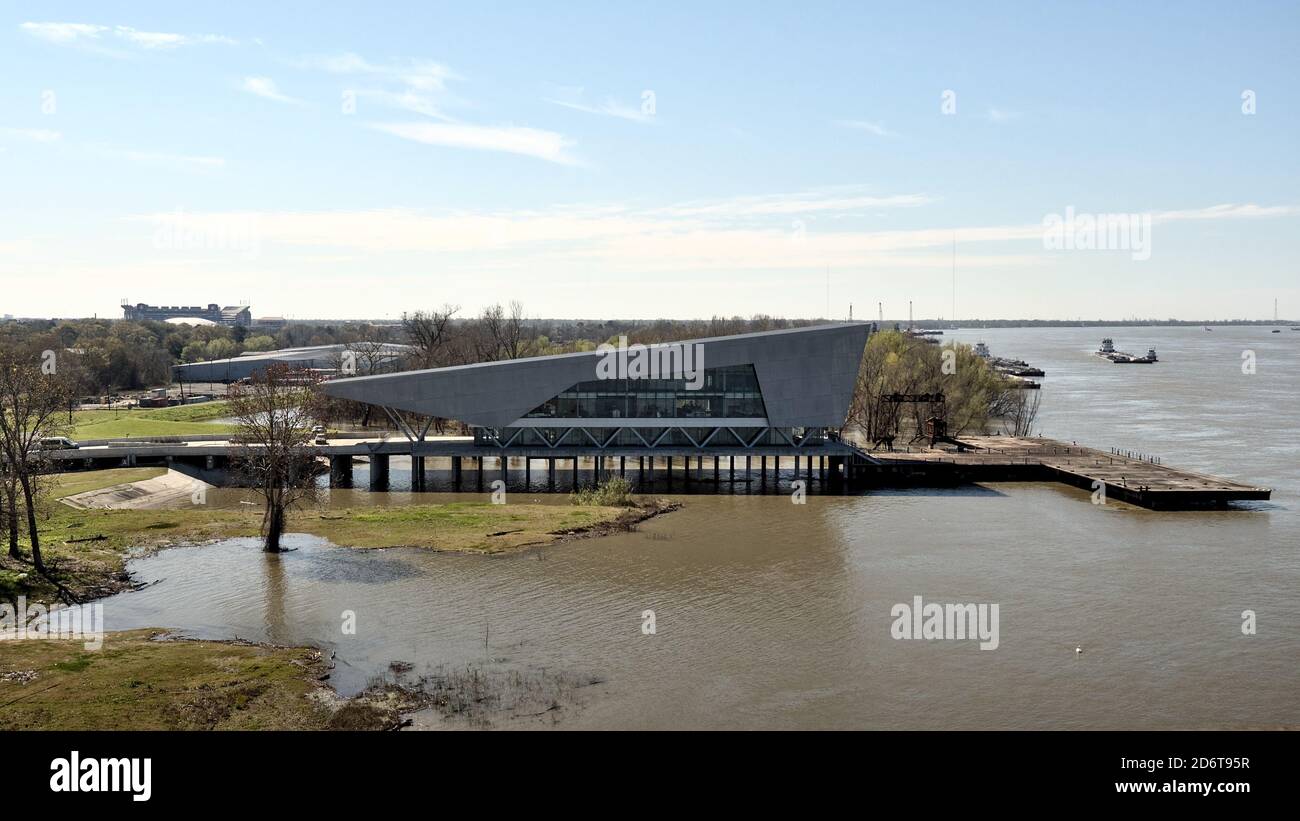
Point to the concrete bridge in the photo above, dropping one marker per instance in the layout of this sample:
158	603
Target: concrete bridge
827	459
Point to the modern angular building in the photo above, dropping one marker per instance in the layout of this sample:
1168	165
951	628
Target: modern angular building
790	387
323	358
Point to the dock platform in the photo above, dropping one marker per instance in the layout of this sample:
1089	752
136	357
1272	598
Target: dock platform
1135	479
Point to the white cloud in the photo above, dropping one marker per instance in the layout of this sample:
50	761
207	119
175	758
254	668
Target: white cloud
667	240
1228	211
877	129
999	115
422	75
835	199
40	135
63	33
91	34
266	88
415	85
529	142
610	108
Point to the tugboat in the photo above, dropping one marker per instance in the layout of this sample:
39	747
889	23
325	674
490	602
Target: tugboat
1107	351
982	350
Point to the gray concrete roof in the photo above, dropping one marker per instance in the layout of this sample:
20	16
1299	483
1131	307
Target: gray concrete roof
250	362
807	376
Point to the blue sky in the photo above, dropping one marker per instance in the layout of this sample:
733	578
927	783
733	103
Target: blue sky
608	159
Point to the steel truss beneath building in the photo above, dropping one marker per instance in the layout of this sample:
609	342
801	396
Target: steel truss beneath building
704	437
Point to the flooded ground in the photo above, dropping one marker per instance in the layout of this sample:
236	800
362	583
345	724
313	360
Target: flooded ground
772	614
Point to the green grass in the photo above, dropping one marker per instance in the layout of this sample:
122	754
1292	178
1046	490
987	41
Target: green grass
88	548
137	682
182	420
476	527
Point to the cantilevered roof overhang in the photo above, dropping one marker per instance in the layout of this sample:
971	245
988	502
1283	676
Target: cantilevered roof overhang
806	376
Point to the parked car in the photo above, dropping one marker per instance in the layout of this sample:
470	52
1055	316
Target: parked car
56	443
318	434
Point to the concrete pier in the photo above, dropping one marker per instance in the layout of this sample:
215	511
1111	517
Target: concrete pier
379	471
417	473
341	471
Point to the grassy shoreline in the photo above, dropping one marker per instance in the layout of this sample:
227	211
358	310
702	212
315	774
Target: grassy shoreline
88	549
150	680
147	680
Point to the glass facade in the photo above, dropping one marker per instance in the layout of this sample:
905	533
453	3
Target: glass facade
726	393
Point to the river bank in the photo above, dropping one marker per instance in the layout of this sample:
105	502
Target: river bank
87	547
147	679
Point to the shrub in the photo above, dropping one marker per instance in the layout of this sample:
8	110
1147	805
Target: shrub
613	492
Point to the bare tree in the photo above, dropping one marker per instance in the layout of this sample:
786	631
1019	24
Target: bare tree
429	333
363	357
1019	411
10	507
275	412
32	392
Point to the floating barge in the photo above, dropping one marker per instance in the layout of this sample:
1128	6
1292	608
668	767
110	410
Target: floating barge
1107	351
1017	370
1138	480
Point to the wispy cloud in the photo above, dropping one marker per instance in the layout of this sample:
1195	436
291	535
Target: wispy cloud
91	34
609	108
1228	211
266	88
672	239
529	142
424	75
40	135
878	129
415	85
837	199
1001	115
63	33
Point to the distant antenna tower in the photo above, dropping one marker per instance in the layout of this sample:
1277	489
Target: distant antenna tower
881	306
1275	309
909	314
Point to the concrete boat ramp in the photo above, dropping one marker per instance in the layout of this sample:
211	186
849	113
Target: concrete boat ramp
159	492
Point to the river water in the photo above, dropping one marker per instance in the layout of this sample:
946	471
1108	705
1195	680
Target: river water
769	614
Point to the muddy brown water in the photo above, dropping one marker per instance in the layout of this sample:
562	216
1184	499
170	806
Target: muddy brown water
770	614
